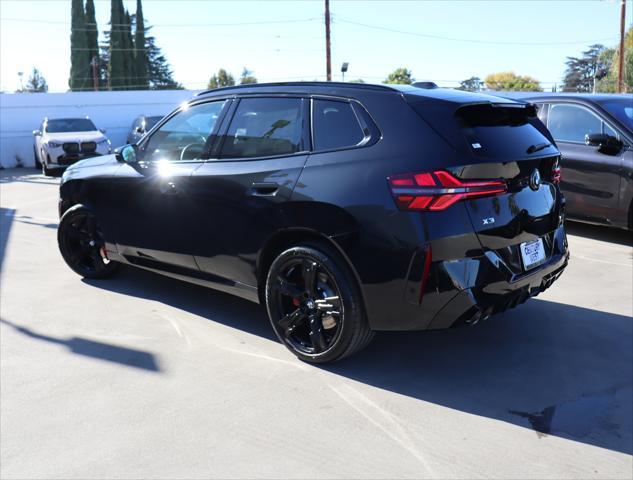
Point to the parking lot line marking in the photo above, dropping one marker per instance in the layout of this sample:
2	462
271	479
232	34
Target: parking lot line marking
621	264
393	429
176	327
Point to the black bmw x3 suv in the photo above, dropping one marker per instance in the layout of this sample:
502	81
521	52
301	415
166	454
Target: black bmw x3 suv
342	208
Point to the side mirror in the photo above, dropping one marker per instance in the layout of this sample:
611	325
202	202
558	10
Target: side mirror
102	130
126	153
37	133
607	143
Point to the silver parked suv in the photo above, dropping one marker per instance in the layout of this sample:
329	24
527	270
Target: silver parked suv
63	141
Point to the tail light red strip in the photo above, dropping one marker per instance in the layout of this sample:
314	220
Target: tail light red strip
439	190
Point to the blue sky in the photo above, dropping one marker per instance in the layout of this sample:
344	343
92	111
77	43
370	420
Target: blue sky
284	40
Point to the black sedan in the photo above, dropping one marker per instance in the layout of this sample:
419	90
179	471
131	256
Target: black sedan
343	208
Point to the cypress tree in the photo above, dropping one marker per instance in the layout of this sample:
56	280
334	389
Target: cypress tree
79	63
130	67
92	35
116	68
140	52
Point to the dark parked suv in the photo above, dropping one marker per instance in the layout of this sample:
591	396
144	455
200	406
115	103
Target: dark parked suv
343	208
595	136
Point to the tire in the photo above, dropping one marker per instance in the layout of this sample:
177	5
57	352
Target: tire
314	304
47	172
80	240
36	158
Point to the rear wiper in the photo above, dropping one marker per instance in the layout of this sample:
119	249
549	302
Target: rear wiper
538	147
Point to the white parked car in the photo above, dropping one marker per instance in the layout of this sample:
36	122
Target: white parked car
60	142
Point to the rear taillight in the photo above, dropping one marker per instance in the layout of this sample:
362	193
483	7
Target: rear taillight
438	190
556	172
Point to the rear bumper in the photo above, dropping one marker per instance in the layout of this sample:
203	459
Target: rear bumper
499	289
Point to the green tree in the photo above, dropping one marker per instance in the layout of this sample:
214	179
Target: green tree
116	65
611	56
160	74
400	76
509	81
129	53
140	51
472	84
247	77
79	60
221	79
583	73
92	34
35	83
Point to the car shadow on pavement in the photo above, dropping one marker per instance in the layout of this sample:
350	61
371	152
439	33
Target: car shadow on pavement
558	369
600	232
6	221
91	348
27	175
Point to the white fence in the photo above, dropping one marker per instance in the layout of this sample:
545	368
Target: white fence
21	113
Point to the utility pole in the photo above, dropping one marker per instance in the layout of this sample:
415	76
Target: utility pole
328	63
621	58
95	81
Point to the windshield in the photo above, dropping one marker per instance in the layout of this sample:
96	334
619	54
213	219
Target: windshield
622	109
150	122
70	125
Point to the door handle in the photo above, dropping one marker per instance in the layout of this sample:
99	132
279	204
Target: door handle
263	189
169	188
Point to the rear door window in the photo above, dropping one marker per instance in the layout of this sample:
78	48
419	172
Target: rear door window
335	125
570	123
264	127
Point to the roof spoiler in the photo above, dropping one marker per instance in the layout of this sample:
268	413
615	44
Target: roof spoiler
427	85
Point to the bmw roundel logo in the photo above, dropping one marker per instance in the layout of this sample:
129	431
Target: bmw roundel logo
535	179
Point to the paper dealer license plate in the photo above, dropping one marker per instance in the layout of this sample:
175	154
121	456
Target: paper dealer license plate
533	254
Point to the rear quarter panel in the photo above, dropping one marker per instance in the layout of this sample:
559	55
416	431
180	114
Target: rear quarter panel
346	196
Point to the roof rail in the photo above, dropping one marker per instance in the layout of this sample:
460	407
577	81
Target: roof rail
367	86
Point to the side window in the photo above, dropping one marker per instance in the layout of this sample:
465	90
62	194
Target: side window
571	123
608	130
185	135
263	127
334	125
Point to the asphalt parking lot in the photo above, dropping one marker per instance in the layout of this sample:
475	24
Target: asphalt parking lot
142	376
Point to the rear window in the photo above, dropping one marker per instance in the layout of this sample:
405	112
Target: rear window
501	132
335	125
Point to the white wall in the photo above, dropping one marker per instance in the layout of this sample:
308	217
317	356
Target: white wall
21	113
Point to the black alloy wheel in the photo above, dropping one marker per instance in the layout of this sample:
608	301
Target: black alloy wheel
81	244
314	305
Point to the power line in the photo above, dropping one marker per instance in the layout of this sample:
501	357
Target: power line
170	25
453	39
